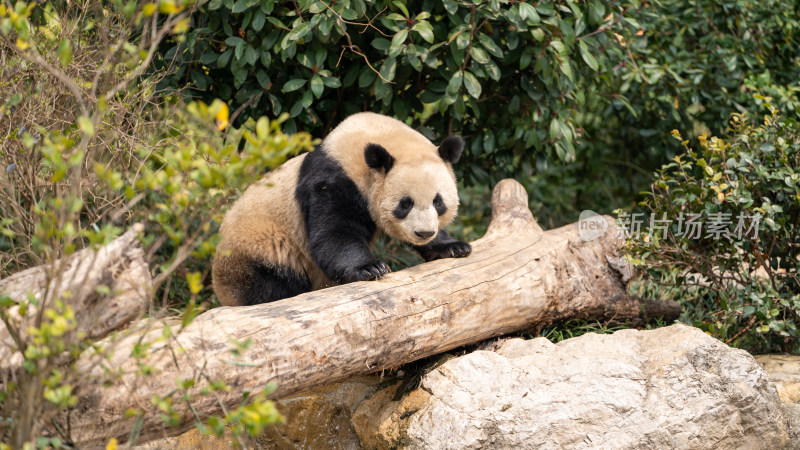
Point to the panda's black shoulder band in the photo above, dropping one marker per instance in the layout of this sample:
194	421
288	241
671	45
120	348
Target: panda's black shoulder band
378	158
450	149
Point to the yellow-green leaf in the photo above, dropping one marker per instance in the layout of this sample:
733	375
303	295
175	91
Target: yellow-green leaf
193	278
181	26
86	125
64	52
22	44
148	9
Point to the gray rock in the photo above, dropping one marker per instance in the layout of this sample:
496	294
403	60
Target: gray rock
674	387
784	372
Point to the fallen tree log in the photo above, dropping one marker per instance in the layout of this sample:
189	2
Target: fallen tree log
518	277
106	288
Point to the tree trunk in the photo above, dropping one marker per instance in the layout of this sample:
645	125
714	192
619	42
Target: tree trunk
518	277
119	267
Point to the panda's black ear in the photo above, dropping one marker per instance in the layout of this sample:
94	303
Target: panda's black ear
378	158
450	149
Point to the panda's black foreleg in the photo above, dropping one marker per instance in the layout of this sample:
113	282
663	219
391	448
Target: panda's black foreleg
337	220
443	246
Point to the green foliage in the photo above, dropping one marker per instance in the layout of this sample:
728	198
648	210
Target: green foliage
87	151
574	99
691	66
508	76
738	272
577	327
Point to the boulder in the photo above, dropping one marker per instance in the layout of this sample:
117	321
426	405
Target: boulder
784	372
673	387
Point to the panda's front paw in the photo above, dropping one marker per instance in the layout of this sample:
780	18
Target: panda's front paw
459	249
454	249
372	271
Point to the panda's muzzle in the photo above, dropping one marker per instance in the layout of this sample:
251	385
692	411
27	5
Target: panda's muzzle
424	234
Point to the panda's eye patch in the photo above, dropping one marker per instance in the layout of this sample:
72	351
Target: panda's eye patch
403	207
438	203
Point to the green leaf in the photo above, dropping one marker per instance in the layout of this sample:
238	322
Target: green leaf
234	41
555	129
317	86
566	69
479	55
224	58
6	301
332	82
380	44
317	7
262	128
239	78
276	22
597	12
425	30
526	58
258	20
490	45
294	84
455	83
472	84
64	52
493	70
558	46
298	32
529	14
388	69
307	99
263	79
367	77
251	55
398	39
240	6
587	56
402	7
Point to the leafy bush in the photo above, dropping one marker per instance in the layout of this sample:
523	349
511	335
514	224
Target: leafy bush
690	66
574	99
509	76
724	233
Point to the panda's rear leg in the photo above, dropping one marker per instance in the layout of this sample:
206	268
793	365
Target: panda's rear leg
251	282
443	246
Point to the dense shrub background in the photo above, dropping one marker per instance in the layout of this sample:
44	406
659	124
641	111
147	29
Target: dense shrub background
574	99
738	274
508	76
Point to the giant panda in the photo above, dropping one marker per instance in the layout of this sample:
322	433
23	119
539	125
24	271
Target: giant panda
309	224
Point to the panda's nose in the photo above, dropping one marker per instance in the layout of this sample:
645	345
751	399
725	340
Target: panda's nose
424	234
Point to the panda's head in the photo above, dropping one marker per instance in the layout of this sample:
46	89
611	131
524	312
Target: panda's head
415	197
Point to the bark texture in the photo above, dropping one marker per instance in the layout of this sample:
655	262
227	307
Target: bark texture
518	277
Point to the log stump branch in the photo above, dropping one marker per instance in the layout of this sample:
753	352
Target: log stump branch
118	268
